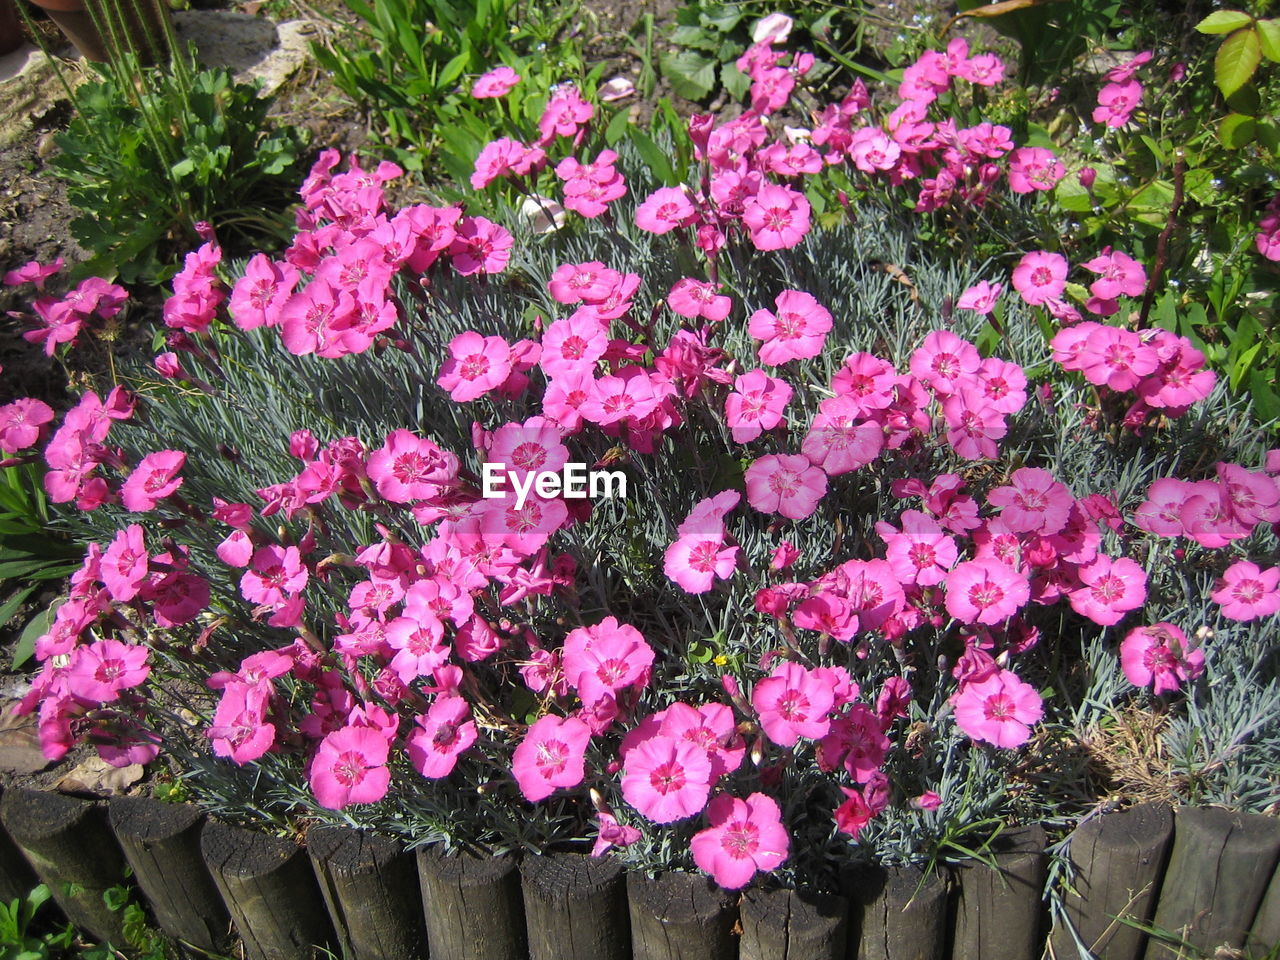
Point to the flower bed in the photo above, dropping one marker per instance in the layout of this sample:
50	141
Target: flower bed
683	530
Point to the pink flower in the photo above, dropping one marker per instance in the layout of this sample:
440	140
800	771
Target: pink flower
974	424
261	291
793	702
664	210
1040	277
277	573
551	755
100	670
1000	709
606	658
154	478
666	779
480	246
945	362
1034	168
612	834
921	553
798	330
927	801
1116	103
407	468
778	217
744	836
854	814
565	113
985	591
505	157
1109	589
476	365
757	404
1247	592
444	733
572	345
1118	275
1159	656
695	561
21	422
33	272
498	82
125	564
981	297
693	298
789	485
1034	502
350	766
240	729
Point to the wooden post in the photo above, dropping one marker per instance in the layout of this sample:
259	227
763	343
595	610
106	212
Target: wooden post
17	879
370	886
898	913
162	843
998	911
681	916
268	886
473	906
575	907
1265	935
1118	861
72	849
787	925
1218	873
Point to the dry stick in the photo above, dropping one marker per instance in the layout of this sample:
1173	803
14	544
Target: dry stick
1162	245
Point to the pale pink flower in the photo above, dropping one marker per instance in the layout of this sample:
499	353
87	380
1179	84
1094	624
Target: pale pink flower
1247	592
666	779
744	836
498	82
789	485
981	297
1000	709
796	331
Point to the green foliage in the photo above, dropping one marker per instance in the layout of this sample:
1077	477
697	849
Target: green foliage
1248	41
151	152
18	940
1051	35
411	63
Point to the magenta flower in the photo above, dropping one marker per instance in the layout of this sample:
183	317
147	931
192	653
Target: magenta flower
695	561
606	658
793	702
240	729
757	404
498	82
1116	103
480	246
796	331
551	755
664	210
407	468
258	296
1000	709
1108	590
666	779
744	836
1034	168
1040	277
945	362
981	297
693	298
572	346
100	670
1034	502
21	422
444	733
154	478
839	441
789	485
124	565
985	591
778	217
277	573
1159	656
1247	592
612	834
710	727
974	424
350	766
476	365
565	113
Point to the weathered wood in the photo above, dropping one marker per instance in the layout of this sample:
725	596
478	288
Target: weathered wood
575	907
473	905
681	916
897	913
17	879
786	925
1218	873
72	849
998	911
370	886
1265	935
161	841
1117	861
268	887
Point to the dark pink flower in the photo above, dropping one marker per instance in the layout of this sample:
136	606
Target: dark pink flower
1159	656
1247	592
350	766
551	755
985	591
444	733
498	82
1109	589
778	217
789	485
1000	709
100	670
154	478
744	836
793	702
476	365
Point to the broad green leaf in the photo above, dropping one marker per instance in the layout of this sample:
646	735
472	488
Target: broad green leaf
1224	21
656	159
734	80
38	625
1237	130
692	75
1269	37
11	605
1072	196
617	128
1237	59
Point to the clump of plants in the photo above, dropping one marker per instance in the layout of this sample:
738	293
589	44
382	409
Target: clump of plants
663	521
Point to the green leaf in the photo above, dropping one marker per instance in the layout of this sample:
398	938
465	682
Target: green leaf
692	75
39	624
1237	59
1269	37
1237	130
734	80
11	605
656	159
1072	196
1224	21
617	128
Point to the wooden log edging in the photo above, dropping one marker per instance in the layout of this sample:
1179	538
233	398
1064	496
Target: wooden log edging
71	848
370	886
269	889
1215	882
161	841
